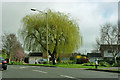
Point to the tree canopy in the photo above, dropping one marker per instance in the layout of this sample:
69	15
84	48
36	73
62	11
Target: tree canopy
63	32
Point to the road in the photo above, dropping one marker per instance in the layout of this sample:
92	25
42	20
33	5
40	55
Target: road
20	71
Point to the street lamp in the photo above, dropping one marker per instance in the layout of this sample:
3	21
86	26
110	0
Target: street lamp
47	29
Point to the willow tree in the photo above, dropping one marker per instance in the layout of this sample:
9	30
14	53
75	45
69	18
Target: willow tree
62	31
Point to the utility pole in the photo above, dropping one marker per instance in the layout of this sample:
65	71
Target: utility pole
46	29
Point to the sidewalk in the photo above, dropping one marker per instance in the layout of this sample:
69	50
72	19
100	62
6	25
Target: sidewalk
109	69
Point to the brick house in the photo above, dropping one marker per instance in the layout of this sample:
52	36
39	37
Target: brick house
106	51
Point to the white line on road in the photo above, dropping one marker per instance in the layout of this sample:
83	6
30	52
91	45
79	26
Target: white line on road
22	67
69	77
40	71
14	67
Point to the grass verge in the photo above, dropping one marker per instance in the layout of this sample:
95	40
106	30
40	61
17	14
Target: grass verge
63	65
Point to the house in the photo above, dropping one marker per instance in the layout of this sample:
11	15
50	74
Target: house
107	51
65	57
32	57
93	56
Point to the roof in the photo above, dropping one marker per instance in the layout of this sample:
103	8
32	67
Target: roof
65	55
36	54
109	47
94	55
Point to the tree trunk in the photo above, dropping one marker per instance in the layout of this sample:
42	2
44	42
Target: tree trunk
9	56
53	59
115	60
9	59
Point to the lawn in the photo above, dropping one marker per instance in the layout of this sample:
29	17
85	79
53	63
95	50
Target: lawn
64	65
76	66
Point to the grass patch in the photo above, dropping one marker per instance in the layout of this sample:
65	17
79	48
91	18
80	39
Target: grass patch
76	66
64	65
112	69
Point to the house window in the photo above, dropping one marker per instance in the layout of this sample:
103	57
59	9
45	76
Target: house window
109	51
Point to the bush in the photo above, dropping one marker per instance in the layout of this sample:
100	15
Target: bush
116	65
89	64
86	64
82	60
92	63
67	62
110	62
103	63
50	62
15	62
58	60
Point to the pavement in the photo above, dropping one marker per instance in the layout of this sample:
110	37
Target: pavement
110	68
37	72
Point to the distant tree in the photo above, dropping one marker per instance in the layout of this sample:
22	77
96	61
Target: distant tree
63	33
19	53
11	44
109	36
4	53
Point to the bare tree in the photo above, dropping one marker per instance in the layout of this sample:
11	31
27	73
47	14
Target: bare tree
109	36
97	45
11	44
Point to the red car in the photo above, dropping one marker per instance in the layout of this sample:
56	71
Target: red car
3	63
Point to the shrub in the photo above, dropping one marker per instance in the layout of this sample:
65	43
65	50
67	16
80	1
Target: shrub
116	65
50	62
15	62
67	62
82	60
110	61
89	64
103	63
58	60
92	63
86	64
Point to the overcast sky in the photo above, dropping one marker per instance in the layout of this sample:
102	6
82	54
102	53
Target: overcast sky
90	16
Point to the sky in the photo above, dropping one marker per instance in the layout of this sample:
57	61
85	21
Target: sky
91	14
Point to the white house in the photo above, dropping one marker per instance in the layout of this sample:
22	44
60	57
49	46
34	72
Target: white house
35	56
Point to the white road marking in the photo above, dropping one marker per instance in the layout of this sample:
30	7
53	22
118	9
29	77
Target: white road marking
14	67
33	66
67	76
40	71
22	67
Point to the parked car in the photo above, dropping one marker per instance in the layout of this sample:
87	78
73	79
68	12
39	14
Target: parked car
3	63
42	61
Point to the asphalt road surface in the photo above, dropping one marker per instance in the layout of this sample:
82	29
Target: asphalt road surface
18	71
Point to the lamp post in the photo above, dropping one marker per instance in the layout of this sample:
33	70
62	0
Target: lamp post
47	29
